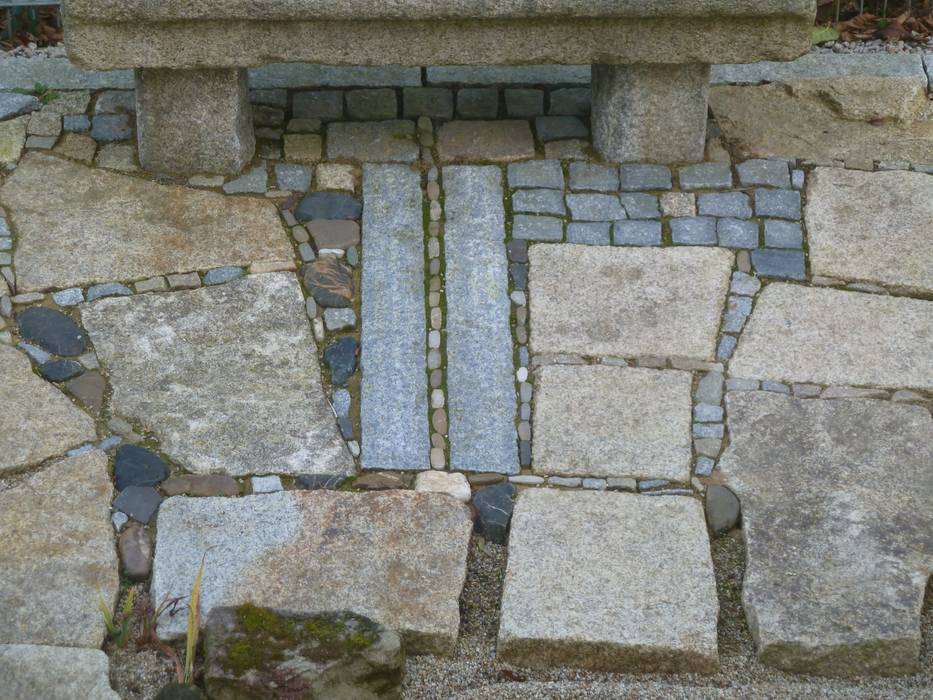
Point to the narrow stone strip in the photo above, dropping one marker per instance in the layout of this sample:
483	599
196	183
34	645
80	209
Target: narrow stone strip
480	387
394	392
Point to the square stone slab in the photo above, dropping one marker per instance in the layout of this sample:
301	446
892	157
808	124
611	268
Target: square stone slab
57	551
837	505
596	420
106	227
226	376
609	582
500	140
627	302
37	421
398	557
872	227
828	336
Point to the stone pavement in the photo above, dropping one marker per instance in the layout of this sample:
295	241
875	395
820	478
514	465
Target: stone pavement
651	365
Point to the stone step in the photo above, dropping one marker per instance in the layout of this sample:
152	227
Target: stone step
837	504
394	389
609	581
397	557
480	369
828	336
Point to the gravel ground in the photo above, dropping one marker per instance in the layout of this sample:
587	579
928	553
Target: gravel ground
474	674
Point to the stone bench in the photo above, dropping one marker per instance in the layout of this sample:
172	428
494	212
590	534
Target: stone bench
650	58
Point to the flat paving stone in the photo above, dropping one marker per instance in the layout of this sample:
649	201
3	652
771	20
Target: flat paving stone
107	226
829	336
887	242
61	554
37	421
583	429
396	556
840	542
390	141
226	376
394	389
30	671
609	581
627	302
501	140
12	140
480	384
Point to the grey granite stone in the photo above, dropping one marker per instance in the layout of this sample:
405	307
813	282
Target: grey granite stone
744	284
593	177
732	204
387	141
524	102
639	233
762	171
540	201
837	568
14	104
706	176
394	403
694	231
737	233
781	204
634	611
254	180
480	386
575	101
271	97
594	233
295	178
111	127
222	275
783	264
400	557
478	103
110	289
372	103
434	102
116	102
326	105
582	429
638	177
537	228
595	207
274	415
783	234
557	128
812	66
737	310
35	671
639	205
536	173
78	123
709	388
498	140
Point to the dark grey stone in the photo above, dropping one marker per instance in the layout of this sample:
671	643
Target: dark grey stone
783	234
272	98
759	171
781	204
650	484
137	466
709	388
637	233
732	204
341	358
111	127
326	105
524	102
536	173
595	207
116	102
313	482
592	233
524	453
328	205
694	231
138	502
346	427
537	228
52	331
737	233
60	370
576	102
706	176
110	289
478	103
773	262
639	177
372	104
593	176
222	275
726	347
13	104
519	274
493	506
517	250
541	201
434	102
639	205
556	128
737	310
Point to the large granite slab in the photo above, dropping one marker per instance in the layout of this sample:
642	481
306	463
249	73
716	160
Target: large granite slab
106	226
598	420
480	370
610	582
37	421
397	557
829	336
872	227
837	505
57	551
394	390
226	376
28	672
593	300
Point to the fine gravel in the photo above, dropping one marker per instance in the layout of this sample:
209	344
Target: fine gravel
474	674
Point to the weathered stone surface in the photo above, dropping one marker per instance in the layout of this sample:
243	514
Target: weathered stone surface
135	552
36	420
586	584
14	104
887	242
328	233
582	429
829	336
394	392
328	654
722	509
503	140
137	466
627	301
399	557
136	228
480	383
373	142
48	591
12	139
226	376
452	483
837	567
28	672
330	281
201	485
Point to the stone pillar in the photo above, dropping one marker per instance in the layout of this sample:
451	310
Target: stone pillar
650	112
194	121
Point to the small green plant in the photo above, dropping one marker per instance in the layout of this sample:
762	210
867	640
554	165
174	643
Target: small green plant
119	631
194	625
43	92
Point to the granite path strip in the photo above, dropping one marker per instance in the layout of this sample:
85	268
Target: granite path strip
480	388
394	392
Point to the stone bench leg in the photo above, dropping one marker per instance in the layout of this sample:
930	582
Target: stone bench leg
650	112
194	121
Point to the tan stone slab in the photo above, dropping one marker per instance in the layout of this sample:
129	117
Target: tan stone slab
37	421
501	140
628	302
391	141
12	139
873	227
56	552
593	420
764	121
609	582
398	557
829	336
106	226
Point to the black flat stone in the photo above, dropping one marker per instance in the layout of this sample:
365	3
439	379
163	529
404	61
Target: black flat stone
346	427
320	481
60	370
328	205
138	502
52	331
137	466
341	359
493	506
